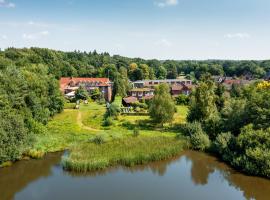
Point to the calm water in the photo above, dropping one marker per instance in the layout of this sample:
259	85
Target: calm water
190	176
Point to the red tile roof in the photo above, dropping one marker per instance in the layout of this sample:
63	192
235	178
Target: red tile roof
65	81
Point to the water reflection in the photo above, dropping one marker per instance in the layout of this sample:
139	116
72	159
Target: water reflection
203	165
15	178
158	168
191	169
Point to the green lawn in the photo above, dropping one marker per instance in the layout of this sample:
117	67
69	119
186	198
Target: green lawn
73	129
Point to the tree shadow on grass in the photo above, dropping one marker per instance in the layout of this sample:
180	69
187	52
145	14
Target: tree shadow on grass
176	128
150	125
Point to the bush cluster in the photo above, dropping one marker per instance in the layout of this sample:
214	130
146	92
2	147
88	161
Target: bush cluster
238	125
249	151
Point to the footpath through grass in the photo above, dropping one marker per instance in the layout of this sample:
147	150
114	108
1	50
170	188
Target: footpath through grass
74	129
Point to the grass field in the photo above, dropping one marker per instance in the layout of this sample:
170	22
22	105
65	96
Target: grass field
73	129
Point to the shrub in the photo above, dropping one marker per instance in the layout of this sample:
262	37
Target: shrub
248	152
101	101
222	145
108	121
182	99
35	154
200	141
113	110
128	125
189	129
212	125
253	154
35	127
136	132
81	93
137	109
96	94
98	139
13	136
140	105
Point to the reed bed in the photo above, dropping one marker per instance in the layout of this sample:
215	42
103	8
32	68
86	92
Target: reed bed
127	152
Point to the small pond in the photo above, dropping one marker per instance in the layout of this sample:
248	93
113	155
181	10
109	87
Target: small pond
190	176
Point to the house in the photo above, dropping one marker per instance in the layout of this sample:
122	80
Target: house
153	83
221	79
68	85
128	101
228	82
142	93
144	89
138	94
176	90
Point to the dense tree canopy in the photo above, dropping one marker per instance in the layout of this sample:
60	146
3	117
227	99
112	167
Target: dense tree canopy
93	64
29	96
239	129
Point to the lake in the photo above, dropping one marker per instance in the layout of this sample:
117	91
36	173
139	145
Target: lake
192	175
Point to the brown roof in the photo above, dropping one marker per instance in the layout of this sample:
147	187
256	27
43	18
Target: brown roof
148	97
130	99
177	87
182	86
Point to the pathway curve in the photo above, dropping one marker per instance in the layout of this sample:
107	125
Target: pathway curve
79	122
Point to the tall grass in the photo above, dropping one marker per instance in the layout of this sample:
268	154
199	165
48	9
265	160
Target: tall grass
128	152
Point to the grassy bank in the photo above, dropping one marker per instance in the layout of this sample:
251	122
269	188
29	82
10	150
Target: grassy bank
128	152
75	126
73	129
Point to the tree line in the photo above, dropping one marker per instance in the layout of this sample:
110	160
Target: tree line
93	64
233	125
29	97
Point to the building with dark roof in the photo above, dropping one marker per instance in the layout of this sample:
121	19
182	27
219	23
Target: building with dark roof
153	83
